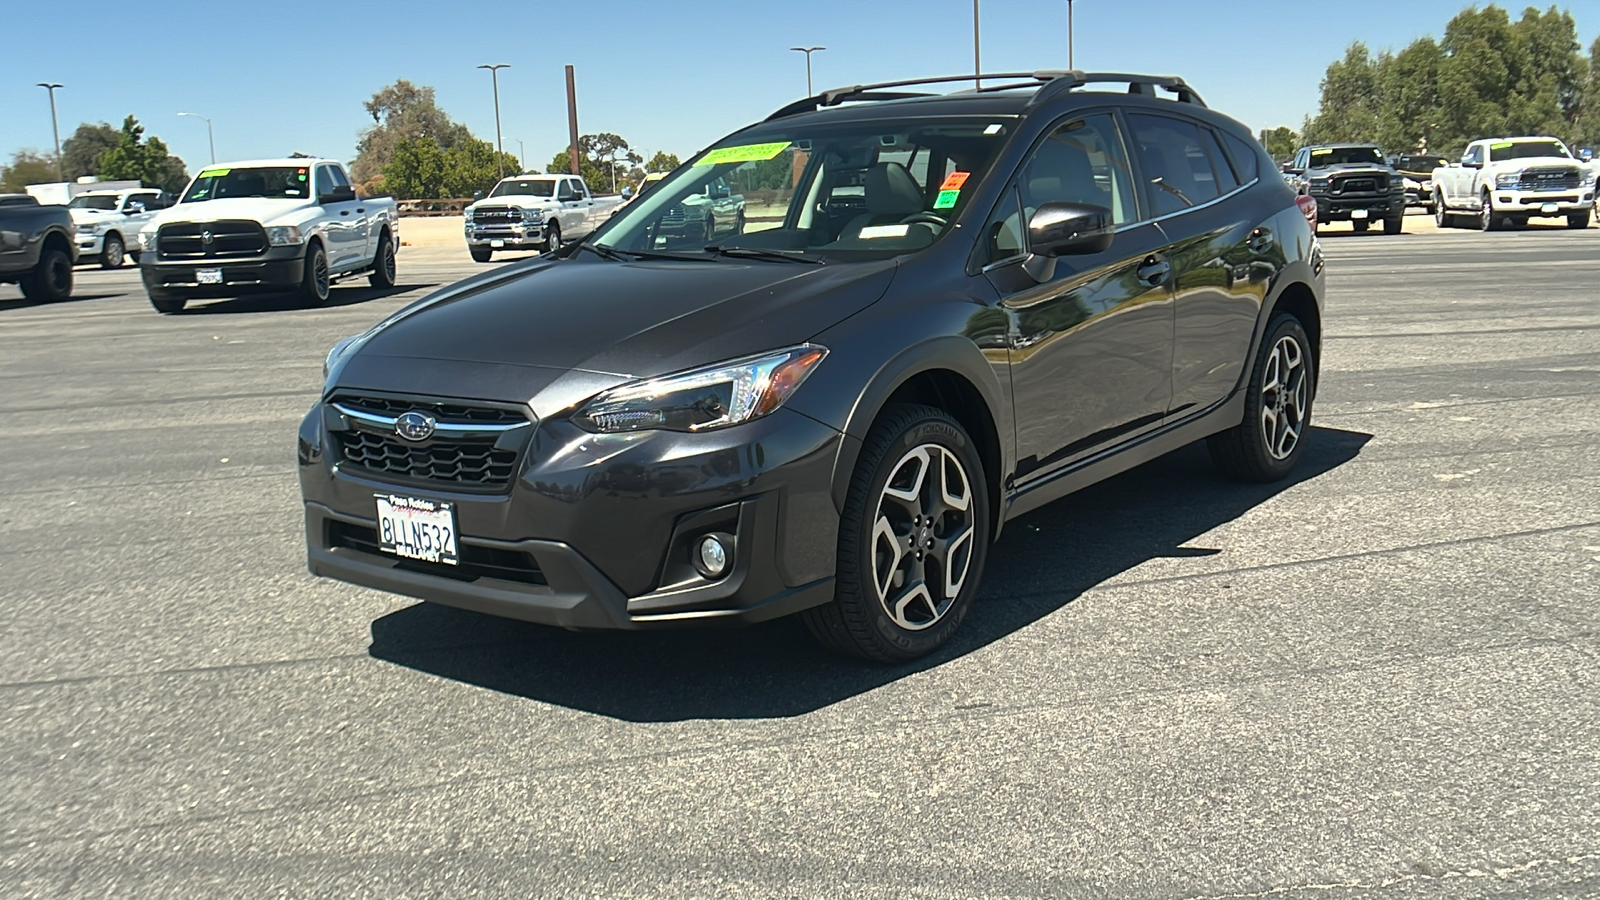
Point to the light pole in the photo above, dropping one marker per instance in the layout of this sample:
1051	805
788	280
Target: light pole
522	155
1070	62
61	171
212	138
977	59
494	75
614	153
808	51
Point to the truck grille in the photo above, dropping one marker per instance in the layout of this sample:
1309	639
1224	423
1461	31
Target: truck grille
482	461
1554	178
674	215
476	562
211	240
1359	184
496	215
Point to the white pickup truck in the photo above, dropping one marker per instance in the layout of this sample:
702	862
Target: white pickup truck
535	212
267	225
108	222
1504	181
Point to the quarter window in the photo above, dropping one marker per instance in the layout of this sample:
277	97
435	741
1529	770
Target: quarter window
1246	160
1173	162
1227	181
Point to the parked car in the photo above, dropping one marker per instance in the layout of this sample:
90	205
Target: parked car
535	212
36	248
1040	286
1507	181
1351	183
1418	174
109	222
60	193
267	225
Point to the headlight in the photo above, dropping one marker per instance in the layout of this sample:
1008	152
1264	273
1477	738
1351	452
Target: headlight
467	214
87	229
283	235
334	354
147	240
718	396
1507	179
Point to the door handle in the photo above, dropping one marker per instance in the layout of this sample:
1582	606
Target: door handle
1261	240
361	209
1154	271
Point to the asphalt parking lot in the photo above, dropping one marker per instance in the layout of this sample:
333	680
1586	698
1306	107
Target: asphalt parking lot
1376	681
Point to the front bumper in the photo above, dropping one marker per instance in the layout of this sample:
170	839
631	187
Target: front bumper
90	244
1377	206
527	235
601	528
278	269
1545	203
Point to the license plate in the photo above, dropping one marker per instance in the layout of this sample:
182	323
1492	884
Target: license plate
1549	209
417	529
497	244
209	276
1358	214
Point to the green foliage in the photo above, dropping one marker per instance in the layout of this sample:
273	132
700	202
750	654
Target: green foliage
662	162
27	167
402	112
1489	76
415	170
470	167
596	153
1281	142
147	162
414	151
80	154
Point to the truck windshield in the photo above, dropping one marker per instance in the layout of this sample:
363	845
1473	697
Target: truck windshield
528	187
101	202
1344	156
1504	150
267	181
848	190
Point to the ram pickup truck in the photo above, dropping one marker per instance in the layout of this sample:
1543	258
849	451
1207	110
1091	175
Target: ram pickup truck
267	225
714	211
1351	183
1507	181
109	222
36	248
535	212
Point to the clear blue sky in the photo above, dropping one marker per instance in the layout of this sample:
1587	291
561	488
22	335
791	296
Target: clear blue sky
277	78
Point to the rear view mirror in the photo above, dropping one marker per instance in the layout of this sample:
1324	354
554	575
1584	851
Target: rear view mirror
1065	229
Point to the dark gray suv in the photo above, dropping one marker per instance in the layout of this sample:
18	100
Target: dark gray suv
939	312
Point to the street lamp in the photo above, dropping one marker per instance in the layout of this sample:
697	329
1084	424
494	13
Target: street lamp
977	60
212	138
1070	62
522	155
807	51
61	171
614	153
494	75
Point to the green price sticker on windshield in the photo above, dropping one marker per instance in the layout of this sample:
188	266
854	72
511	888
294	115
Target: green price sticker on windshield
747	153
946	199
213	173
1499	145
1324	152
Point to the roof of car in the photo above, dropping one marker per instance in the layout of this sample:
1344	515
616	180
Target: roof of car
117	192
264	163
1343	145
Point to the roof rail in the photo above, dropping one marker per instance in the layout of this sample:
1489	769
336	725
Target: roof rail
1051	82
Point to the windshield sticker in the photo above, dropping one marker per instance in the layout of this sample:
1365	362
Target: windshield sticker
996	128
748	153
883	231
955	181
1499	145
1321	152
946	199
213	173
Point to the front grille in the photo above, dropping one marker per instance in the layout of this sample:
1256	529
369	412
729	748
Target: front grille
443	410
475	562
1363	185
1550	179
674	215
479	462
211	240
496	215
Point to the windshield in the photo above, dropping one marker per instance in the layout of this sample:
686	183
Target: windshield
267	181
1343	156
103	201
1421	163
528	187
1503	150
849	190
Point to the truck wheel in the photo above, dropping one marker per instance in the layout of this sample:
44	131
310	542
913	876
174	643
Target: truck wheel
552	237
51	279
1441	213
112	253
1578	220
383	267
912	540
711	229
1360	225
1488	219
315	283
1394	225
1277	409
134	255
482	255
165	303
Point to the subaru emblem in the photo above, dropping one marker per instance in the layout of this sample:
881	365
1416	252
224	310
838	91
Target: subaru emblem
415	426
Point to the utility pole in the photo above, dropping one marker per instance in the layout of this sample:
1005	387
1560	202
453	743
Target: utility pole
209	135
499	150
55	126
572	121
977	57
1071	64
808	51
522	155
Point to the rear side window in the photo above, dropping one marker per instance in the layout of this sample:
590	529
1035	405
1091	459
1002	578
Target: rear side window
1246	159
1226	180
1176	170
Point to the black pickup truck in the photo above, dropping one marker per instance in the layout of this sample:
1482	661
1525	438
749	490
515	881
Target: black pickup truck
1351	183
36	247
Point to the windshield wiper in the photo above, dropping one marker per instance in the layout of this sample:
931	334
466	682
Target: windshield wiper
603	252
770	255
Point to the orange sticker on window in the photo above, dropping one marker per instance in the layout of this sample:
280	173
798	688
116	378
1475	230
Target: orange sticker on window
955	181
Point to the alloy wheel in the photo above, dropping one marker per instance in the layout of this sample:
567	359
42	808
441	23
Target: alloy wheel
388	262
319	275
921	546
1285	392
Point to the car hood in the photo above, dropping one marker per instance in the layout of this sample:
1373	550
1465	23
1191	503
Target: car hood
1531	162
558	331
90	216
1352	168
266	210
521	201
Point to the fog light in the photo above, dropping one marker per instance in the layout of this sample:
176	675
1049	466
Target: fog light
711	556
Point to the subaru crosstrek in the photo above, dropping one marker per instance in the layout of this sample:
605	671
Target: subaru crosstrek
940	311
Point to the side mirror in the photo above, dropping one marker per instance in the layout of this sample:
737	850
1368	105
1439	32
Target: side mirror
1065	229
134	209
627	193
340	194
1469	163
476	196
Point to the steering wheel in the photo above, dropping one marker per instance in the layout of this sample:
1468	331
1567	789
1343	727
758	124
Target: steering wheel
925	218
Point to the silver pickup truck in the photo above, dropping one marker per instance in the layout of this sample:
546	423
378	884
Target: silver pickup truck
535	212
36	247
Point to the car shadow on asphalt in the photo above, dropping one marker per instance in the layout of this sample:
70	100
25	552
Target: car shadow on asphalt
24	303
339	296
1043	562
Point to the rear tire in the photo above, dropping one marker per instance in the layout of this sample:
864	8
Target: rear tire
113	252
50	281
166	304
1578	220
480	255
316	283
912	540
1277	408
383	268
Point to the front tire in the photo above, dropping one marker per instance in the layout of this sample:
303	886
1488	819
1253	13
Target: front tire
912	540
1441	213
1578	220
50	281
316	283
552	237
134	255
166	304
1277	408
113	252
1394	225
383	268
1488	219
482	255
1360	225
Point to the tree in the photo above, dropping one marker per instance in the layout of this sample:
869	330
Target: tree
470	166
80	154
146	162
27	167
415	170
596	153
662	162
402	112
1281	142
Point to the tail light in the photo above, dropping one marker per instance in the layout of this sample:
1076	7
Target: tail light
1308	208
